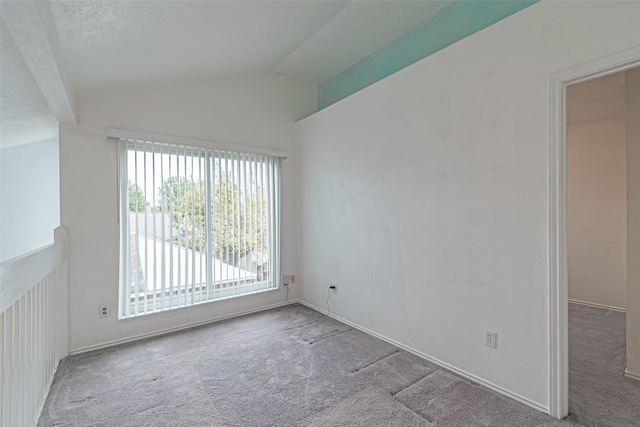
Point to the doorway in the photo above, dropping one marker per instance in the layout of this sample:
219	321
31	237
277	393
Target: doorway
597	192
558	230
597	251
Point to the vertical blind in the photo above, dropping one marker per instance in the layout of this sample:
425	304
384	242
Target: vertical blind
197	224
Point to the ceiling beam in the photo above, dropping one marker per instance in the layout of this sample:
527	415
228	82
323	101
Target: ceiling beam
33	29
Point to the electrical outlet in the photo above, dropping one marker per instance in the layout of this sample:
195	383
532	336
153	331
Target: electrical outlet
334	288
491	339
285	280
103	310
292	279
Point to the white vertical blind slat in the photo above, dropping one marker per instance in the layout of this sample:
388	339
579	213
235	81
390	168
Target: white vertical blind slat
146	231
208	212
171	227
179	191
270	212
155	229
252	201
226	213
248	263
185	263
190	279
219	219
136	293
235	203
163	256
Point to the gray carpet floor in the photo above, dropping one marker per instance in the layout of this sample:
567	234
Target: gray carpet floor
289	366
599	393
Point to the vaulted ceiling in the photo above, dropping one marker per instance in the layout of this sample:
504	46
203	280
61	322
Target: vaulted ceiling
134	44
105	47
55	52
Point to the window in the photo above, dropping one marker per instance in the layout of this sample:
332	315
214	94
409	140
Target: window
197	225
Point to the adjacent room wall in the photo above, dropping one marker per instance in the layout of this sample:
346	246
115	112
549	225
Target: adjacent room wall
424	196
633	224
597	212
30	193
257	111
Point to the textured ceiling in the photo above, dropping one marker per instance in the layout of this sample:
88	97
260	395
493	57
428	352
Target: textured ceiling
133	45
25	115
122	45
597	99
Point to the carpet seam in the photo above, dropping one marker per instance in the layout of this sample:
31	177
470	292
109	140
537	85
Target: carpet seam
326	336
300	325
430	421
414	383
375	361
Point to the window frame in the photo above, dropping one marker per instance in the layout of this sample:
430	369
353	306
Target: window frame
127	141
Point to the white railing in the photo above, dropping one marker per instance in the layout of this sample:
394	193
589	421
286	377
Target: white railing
33	329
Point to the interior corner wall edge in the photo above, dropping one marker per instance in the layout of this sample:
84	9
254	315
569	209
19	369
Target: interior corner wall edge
454	22
632	79
424	198
258	111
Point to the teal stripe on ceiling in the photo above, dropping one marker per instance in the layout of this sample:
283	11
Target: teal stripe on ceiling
453	23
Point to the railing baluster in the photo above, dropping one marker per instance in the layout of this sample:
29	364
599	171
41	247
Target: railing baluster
29	324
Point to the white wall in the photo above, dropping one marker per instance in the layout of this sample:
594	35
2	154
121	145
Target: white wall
597	212
424	196
258	111
30	197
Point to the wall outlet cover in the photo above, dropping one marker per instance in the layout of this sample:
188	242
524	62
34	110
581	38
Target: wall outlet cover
491	339
103	310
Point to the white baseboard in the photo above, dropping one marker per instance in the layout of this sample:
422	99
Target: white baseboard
630	375
454	369
179	328
593	304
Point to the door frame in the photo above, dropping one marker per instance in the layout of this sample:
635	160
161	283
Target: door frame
557	217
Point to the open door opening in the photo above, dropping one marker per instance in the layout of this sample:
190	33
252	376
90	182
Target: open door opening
579	204
596	139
